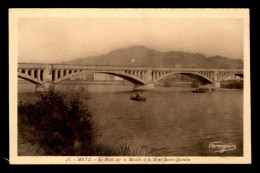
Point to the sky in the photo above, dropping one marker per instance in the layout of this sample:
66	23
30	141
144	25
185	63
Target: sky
55	40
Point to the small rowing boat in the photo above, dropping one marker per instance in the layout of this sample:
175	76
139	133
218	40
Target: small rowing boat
142	99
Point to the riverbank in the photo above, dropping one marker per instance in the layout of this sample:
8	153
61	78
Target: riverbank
232	84
47	130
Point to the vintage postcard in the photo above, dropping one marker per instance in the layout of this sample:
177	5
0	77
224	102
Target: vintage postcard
129	86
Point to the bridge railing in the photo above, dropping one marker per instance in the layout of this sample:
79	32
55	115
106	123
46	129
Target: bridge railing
111	67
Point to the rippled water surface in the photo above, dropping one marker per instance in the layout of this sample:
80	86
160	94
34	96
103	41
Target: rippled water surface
172	122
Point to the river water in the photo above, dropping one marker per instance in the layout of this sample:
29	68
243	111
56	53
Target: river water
172	122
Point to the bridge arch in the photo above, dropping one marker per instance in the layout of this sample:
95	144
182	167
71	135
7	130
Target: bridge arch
195	75
131	78
29	78
240	74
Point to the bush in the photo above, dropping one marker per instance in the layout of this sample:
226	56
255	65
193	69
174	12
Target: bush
57	122
60	124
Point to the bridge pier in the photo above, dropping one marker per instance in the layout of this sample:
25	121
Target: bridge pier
146	87
216	84
46	86
47	80
147	76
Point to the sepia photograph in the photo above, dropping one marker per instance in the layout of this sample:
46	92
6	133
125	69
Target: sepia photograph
129	86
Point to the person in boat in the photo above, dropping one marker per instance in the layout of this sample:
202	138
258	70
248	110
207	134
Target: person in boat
138	95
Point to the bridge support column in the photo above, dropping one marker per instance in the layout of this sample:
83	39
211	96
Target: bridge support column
138	74
46	86
61	73
32	72
148	76
142	75
56	75
39	74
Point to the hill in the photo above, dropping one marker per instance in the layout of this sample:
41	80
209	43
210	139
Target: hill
142	56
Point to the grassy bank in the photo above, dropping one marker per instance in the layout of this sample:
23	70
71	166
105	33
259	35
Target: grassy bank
59	124
232	84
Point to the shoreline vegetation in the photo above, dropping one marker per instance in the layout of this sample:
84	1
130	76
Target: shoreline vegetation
232	84
59	124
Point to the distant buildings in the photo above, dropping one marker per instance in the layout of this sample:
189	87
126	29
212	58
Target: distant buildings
100	76
85	76
96	77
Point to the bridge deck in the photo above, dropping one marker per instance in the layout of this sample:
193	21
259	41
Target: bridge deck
117	68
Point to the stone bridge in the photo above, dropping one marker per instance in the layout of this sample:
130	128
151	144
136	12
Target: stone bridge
46	75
